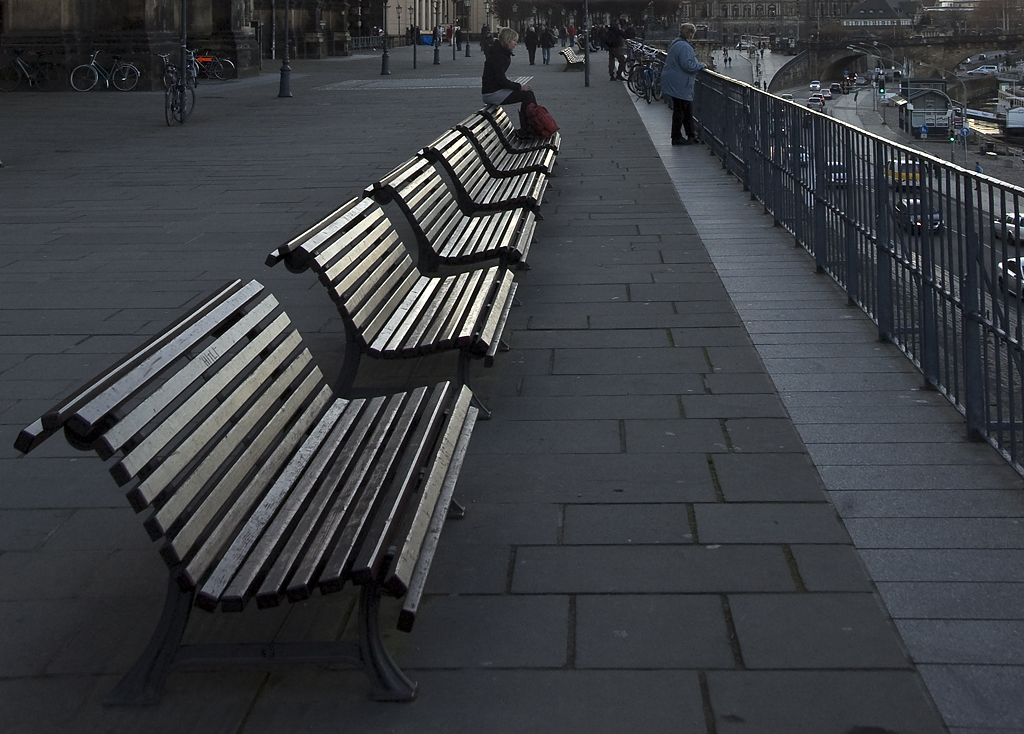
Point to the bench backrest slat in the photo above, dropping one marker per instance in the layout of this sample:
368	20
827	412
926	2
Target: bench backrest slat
161	439
88	412
236	455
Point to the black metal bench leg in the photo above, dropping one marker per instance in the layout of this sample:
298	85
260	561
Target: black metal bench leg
142	684
388	681
350	366
456	511
464	357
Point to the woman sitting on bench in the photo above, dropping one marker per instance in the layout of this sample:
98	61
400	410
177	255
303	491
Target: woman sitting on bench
498	88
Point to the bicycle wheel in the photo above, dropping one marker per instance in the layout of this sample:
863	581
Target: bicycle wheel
84	78
656	88
188	102
178	104
635	80
10	78
47	77
648	85
226	69
125	77
215	69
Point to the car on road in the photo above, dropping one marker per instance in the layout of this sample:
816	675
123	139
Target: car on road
902	173
984	70
787	96
1008	226
816	103
815	86
1009	277
914	215
826	94
835	88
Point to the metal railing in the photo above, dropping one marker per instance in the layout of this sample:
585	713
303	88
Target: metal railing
930	251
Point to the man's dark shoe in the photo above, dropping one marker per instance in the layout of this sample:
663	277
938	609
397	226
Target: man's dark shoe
680	141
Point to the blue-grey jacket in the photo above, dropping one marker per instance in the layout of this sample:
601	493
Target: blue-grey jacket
681	68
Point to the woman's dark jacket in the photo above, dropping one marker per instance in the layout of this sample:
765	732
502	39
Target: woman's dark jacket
498	59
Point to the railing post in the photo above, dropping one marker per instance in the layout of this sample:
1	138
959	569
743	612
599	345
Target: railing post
852	255
748	136
883	249
974	377
816	157
926	294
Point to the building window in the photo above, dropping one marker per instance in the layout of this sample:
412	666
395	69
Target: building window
771	11
725	11
746	11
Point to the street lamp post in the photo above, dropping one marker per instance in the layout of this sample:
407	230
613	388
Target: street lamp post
385	59
415	34
455	5
436	35
285	88
467	28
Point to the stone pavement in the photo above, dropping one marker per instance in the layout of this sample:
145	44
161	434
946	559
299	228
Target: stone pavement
648	546
937	520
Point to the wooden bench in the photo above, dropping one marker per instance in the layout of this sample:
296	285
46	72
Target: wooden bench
390	309
475	186
445	233
572	61
259	482
498	156
496	115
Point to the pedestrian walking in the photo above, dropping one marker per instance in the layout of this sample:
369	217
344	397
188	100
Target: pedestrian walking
677	82
547	42
458	38
615	39
531	40
496	87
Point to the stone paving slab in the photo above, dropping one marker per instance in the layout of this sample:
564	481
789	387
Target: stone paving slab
624	563
855	404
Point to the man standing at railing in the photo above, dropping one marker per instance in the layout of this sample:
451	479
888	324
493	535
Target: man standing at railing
677	81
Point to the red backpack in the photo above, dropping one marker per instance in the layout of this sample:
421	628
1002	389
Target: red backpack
540	121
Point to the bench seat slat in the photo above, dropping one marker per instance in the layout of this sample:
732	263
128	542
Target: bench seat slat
397	582
417	583
377	525
229	558
335	489
349	508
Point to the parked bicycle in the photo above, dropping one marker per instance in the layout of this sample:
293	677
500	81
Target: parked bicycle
213	67
122	75
170	72
179	97
42	75
644	75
